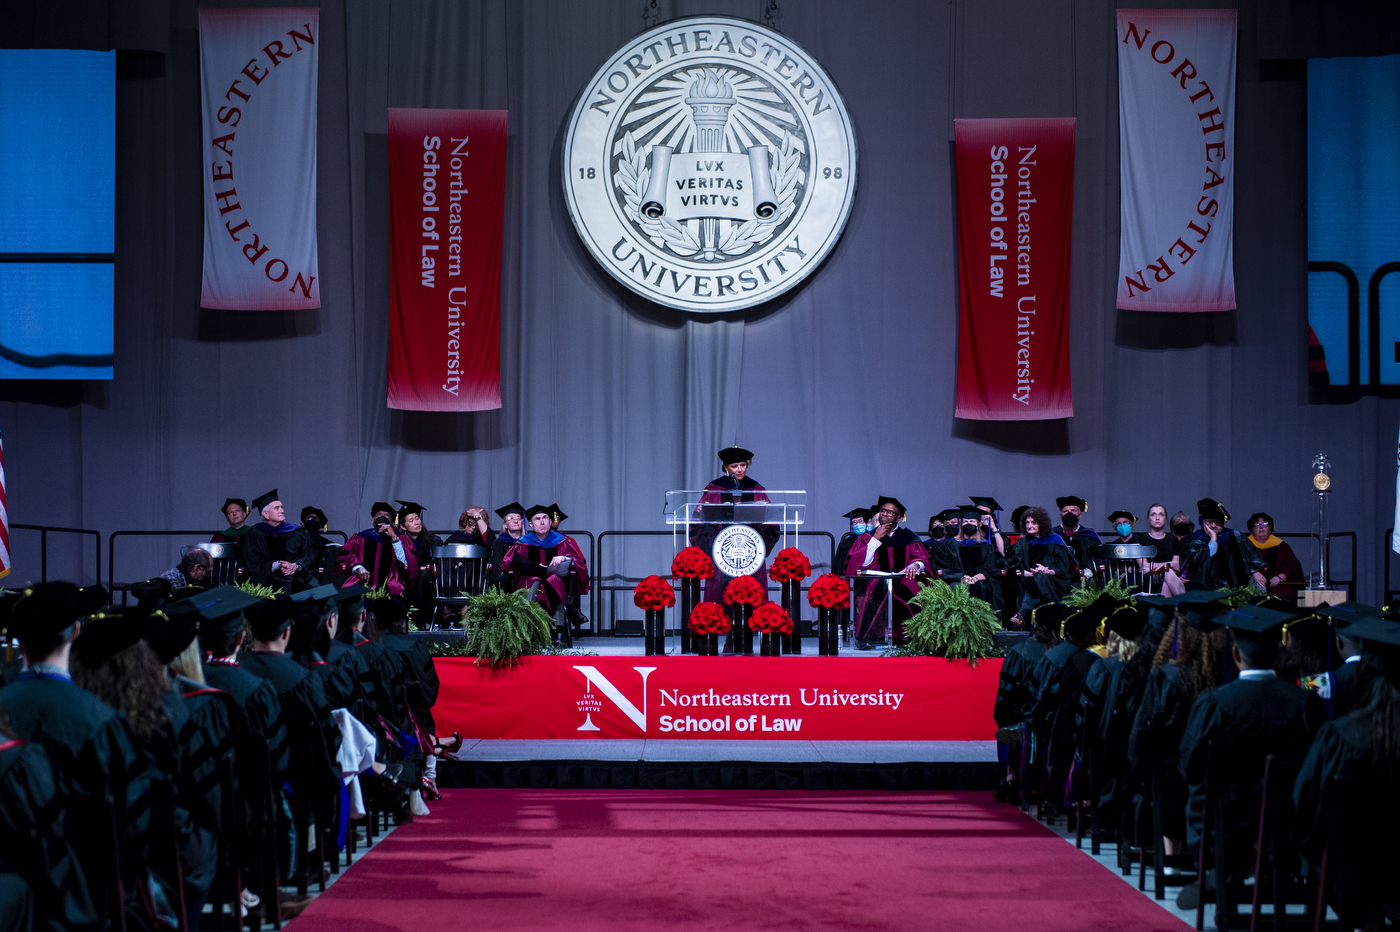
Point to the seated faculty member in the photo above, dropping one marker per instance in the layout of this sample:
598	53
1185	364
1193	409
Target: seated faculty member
377	556
277	552
551	558
888	550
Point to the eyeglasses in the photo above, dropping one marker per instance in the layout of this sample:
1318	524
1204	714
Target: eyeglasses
1261	524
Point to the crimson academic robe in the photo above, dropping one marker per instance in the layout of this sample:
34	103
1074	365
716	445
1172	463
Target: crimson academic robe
529	559
897	550
376	554
726	490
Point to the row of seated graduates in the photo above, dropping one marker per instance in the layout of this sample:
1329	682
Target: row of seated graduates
1263	737
138	783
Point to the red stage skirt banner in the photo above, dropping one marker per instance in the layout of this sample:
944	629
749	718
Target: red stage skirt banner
447	171
725	698
1176	149
1015	204
258	71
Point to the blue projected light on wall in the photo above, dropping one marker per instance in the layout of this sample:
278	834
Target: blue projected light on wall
1354	227
57	204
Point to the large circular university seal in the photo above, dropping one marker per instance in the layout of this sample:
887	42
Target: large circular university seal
738	550
710	165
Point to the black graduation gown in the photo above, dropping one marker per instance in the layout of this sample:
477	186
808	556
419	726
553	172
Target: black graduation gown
1344	799
1344	678
1029	551
1014	683
958	559
337	682
1232	566
1069	719
96	758
212	711
1119	708
1245	720
262	547
34	840
1160	723
420	677
1093	699
843	551
1082	540
1043	703
264	759
311	729
387	693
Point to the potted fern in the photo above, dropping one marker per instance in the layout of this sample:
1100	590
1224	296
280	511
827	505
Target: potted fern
951	622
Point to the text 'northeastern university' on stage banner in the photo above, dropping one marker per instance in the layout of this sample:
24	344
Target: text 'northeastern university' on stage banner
1176	141
447	171
258	73
820	698
1015	205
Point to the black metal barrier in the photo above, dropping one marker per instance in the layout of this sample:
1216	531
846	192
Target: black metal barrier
628	583
1386	554
112	585
1332	581
45	530
592	555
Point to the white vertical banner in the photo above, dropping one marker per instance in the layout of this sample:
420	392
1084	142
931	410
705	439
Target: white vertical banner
258	75
1176	141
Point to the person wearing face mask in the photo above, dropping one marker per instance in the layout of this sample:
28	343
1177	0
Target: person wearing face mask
1182	529
1122	523
1081	538
860	524
1216	557
976	562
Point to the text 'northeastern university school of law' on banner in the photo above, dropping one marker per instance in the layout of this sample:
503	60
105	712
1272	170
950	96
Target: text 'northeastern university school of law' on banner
447	172
1015	204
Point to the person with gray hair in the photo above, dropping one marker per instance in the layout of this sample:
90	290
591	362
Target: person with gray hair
192	570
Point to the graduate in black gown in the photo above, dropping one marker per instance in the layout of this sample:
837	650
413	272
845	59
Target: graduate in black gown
1216	556
1014	692
1240	723
1122	628
1063	712
859	518
314	623
1189	660
277	552
104	776
1343	798
1349	650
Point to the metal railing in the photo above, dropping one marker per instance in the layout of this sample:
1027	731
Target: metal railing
113	587
1330	581
44	531
626	583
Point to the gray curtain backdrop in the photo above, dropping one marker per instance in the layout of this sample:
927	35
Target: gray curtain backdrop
843	388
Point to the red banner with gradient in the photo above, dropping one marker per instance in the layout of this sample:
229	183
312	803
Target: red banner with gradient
724	698
447	172
1015	203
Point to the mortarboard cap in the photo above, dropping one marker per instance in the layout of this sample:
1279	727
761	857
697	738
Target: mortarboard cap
92	598
535	510
265	499
1066	500
149	592
217	603
271	617
985	501
1258	516
351	593
184	592
320	594
1198	606
1016	515
409	508
968	513
556	514
1051	615
887	500
1127	620
1345	613
1210	508
310	510
171	630
1123	514
857	513
731	455
385	507
1256	622
388	610
107	634
47	608
234	501
1380	645
514	508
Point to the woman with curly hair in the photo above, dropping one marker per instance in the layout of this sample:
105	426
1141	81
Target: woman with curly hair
1188	661
1042	563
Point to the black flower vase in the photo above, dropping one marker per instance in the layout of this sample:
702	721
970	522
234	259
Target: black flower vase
655	631
743	634
792	604
825	624
690	597
710	647
771	644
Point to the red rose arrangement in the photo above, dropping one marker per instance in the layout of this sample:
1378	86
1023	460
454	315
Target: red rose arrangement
692	563
708	618
744	590
829	591
790	564
653	593
771	619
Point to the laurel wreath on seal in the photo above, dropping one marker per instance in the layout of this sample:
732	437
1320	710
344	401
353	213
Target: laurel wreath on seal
632	177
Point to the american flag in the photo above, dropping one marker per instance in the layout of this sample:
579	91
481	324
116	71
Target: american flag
4	519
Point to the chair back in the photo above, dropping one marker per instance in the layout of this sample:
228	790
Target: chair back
227	560
461	572
1125	563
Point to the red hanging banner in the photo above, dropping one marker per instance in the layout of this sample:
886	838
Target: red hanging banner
447	172
1015	204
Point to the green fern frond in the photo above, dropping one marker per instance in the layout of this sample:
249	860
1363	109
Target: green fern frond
504	626
951	622
261	592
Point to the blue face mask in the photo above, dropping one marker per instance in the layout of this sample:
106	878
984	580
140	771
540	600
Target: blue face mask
859	529
1125	529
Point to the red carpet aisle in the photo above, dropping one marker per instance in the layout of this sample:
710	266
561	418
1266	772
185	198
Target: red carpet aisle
594	860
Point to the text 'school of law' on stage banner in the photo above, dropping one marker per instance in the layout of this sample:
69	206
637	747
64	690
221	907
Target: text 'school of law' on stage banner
258	72
820	698
1176	141
1015	204
447	175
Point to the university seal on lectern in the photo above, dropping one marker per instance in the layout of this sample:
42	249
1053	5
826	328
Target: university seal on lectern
710	164
738	550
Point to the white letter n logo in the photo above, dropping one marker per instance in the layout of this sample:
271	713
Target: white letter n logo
638	716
